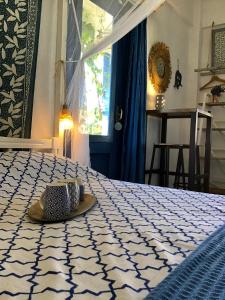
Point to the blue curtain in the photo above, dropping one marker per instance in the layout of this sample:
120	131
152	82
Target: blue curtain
130	57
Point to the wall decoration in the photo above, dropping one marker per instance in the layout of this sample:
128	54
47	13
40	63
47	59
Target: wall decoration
178	77
19	32
159	67
218	47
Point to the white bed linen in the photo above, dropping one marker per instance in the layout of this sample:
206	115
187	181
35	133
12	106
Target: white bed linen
120	249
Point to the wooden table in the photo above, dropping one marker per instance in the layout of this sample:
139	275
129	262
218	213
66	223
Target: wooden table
193	114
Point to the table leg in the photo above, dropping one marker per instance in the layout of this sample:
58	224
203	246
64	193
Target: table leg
207	155
162	152
192	151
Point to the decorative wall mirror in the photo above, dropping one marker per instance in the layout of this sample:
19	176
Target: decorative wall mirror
159	67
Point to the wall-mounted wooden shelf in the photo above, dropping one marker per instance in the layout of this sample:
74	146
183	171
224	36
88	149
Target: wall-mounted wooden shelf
213	104
215	157
214	129
210	71
218	129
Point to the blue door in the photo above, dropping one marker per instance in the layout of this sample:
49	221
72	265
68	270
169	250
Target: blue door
105	149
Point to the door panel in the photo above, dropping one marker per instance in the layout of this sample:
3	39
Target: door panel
106	154
101	146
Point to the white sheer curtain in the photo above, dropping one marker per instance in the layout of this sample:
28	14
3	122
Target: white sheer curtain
125	15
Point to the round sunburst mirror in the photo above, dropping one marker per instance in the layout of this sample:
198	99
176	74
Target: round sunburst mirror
159	67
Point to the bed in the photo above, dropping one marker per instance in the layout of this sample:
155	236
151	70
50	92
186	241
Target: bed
121	249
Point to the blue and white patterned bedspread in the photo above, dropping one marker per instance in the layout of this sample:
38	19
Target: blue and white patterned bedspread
121	249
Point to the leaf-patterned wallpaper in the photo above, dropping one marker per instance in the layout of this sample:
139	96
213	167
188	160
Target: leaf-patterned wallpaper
19	30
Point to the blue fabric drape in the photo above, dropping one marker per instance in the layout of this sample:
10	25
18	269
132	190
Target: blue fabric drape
131	60
201	275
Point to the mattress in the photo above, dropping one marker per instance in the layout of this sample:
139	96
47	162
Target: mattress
121	249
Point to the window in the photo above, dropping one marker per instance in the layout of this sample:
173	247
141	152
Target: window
98	76
94	21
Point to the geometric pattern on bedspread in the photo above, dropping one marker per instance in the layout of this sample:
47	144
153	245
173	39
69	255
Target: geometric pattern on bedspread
121	249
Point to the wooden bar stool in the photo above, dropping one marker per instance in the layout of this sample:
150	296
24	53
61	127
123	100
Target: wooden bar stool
180	170
180	175
165	172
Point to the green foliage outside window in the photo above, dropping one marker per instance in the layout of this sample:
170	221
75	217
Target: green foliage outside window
95	116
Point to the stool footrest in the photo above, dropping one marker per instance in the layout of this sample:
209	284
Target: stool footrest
172	146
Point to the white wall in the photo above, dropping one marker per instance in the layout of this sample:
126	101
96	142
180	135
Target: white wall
176	23
44	95
212	10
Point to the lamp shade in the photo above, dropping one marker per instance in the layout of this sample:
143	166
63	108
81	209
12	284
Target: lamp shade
65	119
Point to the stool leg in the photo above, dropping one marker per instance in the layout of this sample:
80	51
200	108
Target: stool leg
180	167
198	167
162	166
152	165
176	180
180	170
167	166
183	169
